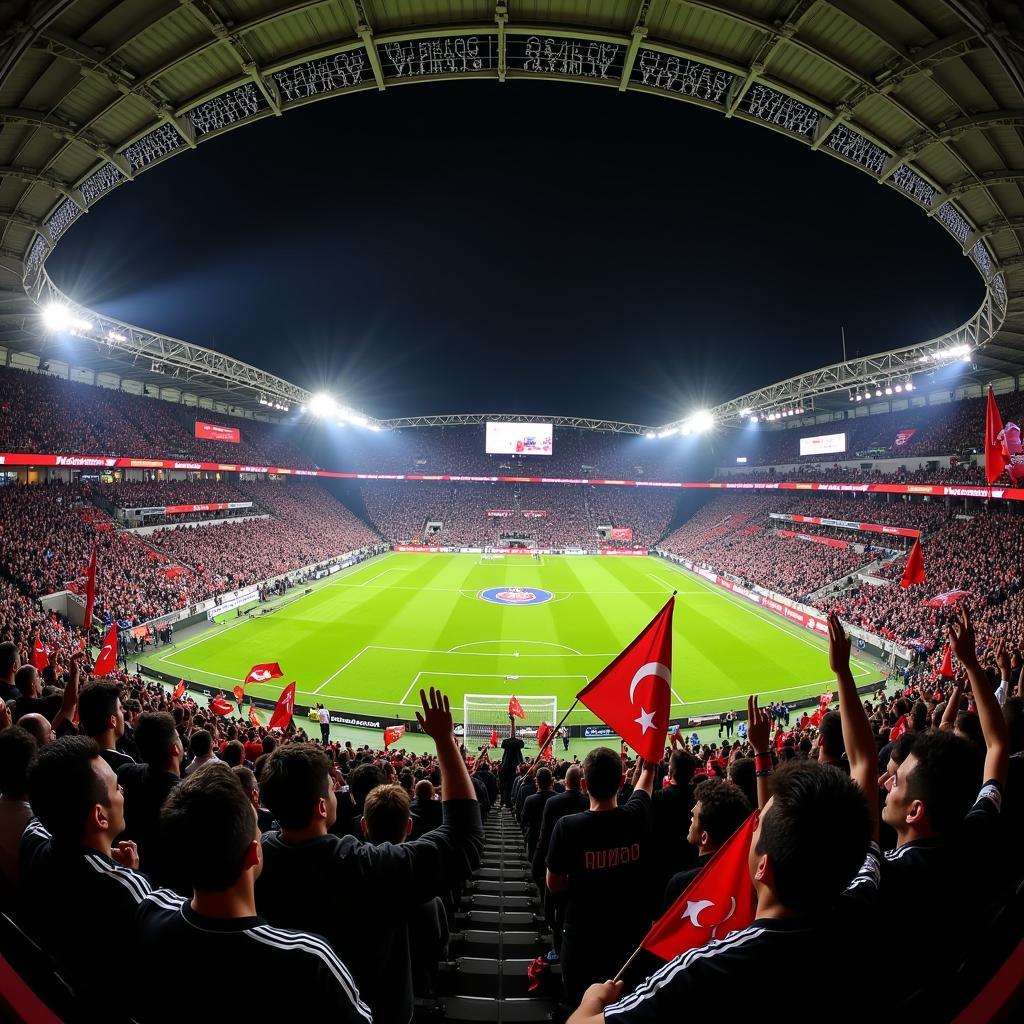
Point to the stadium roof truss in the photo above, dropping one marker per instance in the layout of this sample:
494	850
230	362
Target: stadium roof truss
925	96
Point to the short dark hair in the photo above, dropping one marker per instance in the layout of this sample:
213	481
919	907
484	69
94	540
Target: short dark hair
200	743
363	779
682	766
603	771
245	778
945	778
17	748
294	778
815	833
544	778
63	786
723	808
96	703
424	790
23	678
206	826
155	735
387	814
8	657
233	753
830	734
741	775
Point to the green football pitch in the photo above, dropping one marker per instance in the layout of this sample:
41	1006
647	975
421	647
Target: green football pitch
365	640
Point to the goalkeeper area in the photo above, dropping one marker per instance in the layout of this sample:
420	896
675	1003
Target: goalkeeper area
366	640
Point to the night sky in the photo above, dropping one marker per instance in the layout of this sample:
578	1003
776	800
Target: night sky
528	247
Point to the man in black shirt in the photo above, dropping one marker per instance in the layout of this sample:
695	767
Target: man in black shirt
601	860
78	887
670	808
146	787
9	662
533	809
209	827
719	809
355	882
484	773
101	717
426	811
511	759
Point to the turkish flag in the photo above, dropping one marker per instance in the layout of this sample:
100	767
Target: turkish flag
640	678
392	734
815	719
719	901
239	692
946	599
494	737
253	717
107	661
40	657
898	729
913	572
515	708
996	460
263	673
90	588
221	706
284	709
179	690
947	663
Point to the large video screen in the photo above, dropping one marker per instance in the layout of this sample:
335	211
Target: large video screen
519	438
215	432
823	444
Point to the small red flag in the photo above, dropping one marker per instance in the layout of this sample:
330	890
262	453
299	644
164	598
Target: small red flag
239	692
179	690
947	663
913	572
263	673
221	706
515	708
392	734
107	661
40	656
996	459
898	729
494	737
543	732
284	709
719	901
90	588
639	679
815	719
253	717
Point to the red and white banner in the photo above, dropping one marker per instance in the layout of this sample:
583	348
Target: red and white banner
534	513
498	513
845	524
622	533
831	542
904	436
125	462
215	432
217	506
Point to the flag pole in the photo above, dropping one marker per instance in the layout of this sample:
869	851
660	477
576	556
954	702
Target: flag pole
625	967
554	732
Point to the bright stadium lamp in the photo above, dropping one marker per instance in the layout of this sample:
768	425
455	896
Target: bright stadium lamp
753	421
909	386
650	435
58	317
322	404
701	421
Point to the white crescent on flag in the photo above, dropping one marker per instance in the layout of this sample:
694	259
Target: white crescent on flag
259	675
652	668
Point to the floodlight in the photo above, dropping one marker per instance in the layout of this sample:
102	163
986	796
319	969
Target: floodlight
753	421
878	392
650	435
322	404
745	412
909	386
888	390
116	336
373	426
858	397
898	388
700	421
356	418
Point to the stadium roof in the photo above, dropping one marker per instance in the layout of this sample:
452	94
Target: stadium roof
926	96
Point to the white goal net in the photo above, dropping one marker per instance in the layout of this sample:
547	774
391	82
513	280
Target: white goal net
483	713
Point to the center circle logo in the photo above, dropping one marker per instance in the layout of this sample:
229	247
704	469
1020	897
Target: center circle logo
515	595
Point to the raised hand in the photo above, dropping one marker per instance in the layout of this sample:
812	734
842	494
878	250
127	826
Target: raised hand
436	720
759	726
1003	659
838	645
961	638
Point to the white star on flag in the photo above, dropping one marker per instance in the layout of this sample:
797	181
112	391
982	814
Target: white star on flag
645	721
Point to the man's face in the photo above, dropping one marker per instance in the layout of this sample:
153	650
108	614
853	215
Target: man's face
114	801
693	836
897	802
36	686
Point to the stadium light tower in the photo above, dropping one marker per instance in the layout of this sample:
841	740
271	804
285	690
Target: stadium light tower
322	404
701	421
58	317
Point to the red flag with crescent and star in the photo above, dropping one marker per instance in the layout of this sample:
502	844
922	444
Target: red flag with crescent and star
633	694
264	673
179	690
720	900
392	734
107	661
221	706
515	708
40	655
284	709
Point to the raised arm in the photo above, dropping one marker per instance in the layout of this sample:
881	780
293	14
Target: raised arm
759	732
70	701
857	736
436	722
993	725
948	723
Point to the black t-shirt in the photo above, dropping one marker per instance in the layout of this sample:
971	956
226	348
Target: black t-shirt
80	906
513	756
145	791
572	801
606	856
283	969
359	896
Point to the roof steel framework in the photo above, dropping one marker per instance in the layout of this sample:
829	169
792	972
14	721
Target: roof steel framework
926	96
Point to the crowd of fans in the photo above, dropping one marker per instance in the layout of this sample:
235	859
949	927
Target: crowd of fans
159	494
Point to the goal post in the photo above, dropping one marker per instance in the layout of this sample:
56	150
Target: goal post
482	713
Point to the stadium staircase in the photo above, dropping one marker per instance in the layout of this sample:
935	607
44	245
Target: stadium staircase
501	930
